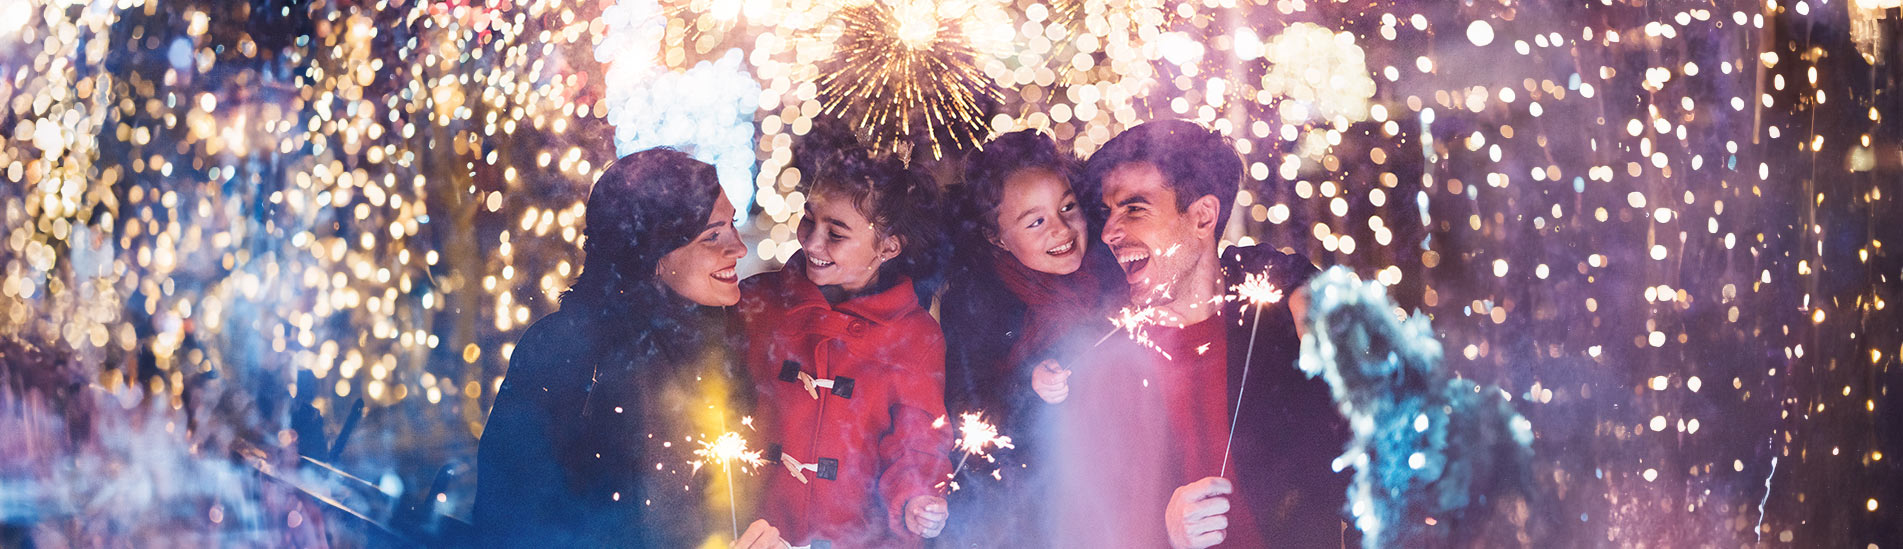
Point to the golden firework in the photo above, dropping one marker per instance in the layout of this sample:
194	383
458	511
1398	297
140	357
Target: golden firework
906	72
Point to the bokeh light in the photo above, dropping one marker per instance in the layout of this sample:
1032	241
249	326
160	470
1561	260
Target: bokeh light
1660	226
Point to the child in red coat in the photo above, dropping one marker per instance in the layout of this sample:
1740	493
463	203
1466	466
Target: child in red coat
849	368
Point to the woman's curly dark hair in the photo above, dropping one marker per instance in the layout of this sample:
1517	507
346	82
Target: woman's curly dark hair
899	201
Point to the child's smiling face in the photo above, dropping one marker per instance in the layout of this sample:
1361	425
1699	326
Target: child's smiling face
842	247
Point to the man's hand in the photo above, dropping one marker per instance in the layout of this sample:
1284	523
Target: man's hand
925	515
1197	514
760	535
1051	381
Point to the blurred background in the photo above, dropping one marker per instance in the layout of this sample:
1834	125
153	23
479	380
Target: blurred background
239	233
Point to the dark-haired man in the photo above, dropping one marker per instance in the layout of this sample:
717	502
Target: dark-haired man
1153	412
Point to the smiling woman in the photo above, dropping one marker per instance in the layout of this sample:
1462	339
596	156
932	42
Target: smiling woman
565	456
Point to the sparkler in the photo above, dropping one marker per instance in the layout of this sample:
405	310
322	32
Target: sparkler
975	437
1135	321
1259	292
727	449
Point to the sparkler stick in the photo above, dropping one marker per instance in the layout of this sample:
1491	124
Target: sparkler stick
1257	289
733	514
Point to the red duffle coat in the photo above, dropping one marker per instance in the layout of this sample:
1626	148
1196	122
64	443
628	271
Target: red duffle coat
866	444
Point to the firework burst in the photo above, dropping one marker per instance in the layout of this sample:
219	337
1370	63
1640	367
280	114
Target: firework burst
905	72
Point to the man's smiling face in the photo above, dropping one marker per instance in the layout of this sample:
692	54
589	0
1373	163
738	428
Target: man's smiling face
1154	241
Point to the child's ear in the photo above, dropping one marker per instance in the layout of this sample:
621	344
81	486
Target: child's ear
890	246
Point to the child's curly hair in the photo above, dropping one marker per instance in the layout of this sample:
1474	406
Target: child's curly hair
986	172
899	201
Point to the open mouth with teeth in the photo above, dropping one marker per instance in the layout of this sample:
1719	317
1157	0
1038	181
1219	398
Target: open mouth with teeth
1062	250
1133	260
727	275
817	263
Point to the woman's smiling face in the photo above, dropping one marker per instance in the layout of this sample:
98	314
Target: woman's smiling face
842	247
703	270
1038	220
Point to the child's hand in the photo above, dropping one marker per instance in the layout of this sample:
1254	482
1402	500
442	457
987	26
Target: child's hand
1051	381
925	515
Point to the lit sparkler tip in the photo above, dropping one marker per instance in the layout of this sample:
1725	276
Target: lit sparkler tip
1257	289
727	450
1135	322
976	436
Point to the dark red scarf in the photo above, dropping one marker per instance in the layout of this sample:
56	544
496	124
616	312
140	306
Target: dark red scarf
1053	303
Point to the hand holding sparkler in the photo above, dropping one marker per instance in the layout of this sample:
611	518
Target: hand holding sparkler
925	515
760	535
1198	513
1051	381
